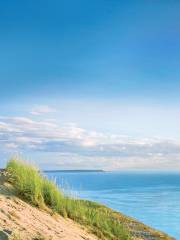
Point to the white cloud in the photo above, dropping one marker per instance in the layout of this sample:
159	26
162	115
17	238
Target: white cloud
86	148
43	109
11	146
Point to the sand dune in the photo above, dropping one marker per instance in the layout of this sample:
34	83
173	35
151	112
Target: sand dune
22	219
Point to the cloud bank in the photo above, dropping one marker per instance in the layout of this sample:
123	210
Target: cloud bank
69	146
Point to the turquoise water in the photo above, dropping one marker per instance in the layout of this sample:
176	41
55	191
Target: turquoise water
153	198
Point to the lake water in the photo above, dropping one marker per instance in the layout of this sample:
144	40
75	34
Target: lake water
153	198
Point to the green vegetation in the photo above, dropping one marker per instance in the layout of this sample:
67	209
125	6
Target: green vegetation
39	191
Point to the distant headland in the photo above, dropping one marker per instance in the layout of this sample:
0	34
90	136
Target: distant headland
75	171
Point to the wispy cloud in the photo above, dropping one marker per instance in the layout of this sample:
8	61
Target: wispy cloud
85	147
43	109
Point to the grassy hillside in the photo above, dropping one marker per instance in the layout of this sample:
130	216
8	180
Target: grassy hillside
40	191
107	224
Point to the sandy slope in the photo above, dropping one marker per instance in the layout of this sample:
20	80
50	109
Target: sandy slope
30	222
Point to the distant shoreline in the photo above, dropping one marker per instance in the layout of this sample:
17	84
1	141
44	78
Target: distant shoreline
74	171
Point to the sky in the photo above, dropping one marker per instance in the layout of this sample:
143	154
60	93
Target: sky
90	84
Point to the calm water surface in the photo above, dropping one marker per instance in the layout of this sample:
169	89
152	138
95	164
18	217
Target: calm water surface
153	198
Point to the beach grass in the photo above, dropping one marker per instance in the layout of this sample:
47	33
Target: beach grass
35	188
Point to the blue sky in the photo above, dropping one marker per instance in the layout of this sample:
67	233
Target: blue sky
104	67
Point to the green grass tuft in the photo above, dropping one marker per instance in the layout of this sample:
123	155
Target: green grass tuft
38	190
